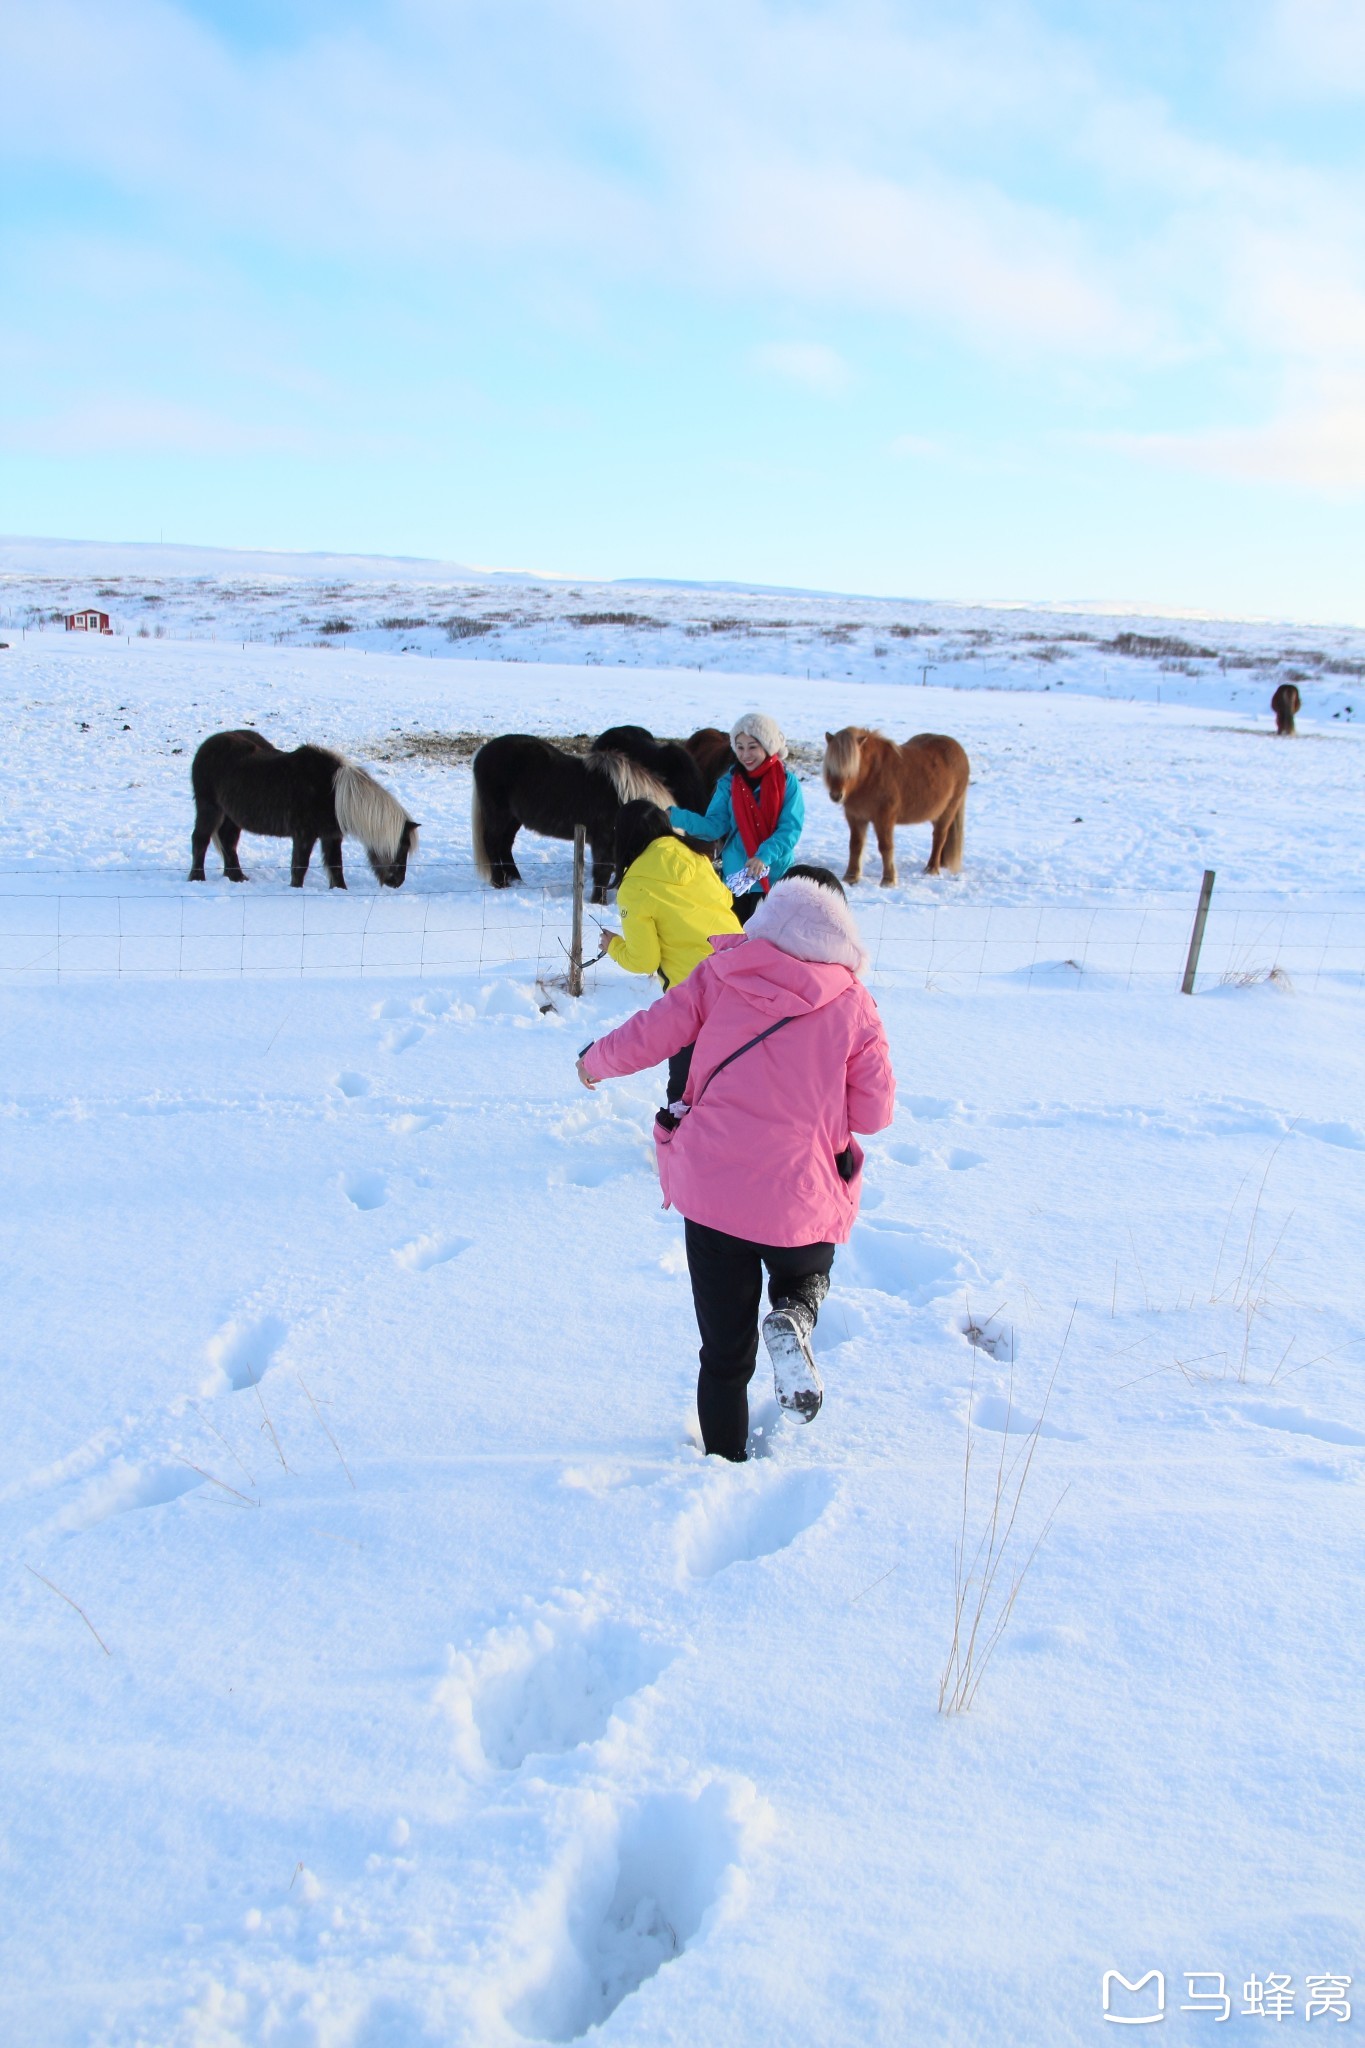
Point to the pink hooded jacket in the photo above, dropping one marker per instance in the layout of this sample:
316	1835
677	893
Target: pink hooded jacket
755	1156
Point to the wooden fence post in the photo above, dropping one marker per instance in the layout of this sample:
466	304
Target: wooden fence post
576	943
1201	918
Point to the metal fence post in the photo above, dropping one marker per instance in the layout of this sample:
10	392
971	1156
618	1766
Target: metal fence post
576	945
1201	918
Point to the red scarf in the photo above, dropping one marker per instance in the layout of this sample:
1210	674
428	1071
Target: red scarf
756	816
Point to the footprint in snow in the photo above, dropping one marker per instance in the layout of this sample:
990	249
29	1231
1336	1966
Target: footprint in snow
366	1190
928	1109
545	1686
1342	1134
241	1354
125	1488
993	1411
425	1252
900	1259
997	1340
353	1085
746	1515
631	1896
1298	1422
404	1037
590	1172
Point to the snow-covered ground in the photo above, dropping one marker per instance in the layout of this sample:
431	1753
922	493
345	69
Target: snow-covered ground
422	1683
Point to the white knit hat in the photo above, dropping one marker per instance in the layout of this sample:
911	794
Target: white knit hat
765	730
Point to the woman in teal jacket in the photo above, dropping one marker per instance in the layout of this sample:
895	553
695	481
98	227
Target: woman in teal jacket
757	809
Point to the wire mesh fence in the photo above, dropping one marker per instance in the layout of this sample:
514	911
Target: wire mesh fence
1135	944
87	931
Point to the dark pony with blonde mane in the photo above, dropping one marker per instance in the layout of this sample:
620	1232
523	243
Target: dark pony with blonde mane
885	785
243	784
520	779
667	760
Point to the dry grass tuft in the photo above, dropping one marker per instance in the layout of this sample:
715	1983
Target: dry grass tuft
986	1584
1252	977
72	1603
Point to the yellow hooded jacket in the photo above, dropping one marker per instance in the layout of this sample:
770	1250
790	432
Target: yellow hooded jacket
672	904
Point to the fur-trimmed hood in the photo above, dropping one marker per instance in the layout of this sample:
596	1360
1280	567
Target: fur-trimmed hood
810	922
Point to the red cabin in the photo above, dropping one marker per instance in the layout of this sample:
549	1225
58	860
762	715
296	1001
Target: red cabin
88	621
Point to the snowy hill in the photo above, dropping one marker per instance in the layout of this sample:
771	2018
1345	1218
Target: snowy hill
434	609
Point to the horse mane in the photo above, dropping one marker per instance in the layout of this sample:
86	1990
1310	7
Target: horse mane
629	779
841	749
368	812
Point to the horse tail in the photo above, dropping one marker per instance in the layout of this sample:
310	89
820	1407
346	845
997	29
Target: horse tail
481	860
629	779
957	832
366	811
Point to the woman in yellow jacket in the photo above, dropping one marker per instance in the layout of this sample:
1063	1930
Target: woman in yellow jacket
672	904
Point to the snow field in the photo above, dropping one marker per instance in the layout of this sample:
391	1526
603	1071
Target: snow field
564	1726
346	1368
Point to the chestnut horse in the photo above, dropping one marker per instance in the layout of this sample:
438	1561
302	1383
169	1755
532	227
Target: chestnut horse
881	784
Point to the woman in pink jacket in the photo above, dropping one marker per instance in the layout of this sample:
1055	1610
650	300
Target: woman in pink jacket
791	1059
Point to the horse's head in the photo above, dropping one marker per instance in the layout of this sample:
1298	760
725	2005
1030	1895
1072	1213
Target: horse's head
392	874
842	762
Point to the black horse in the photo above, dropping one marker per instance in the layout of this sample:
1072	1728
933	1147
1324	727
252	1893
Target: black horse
669	760
522	780
243	784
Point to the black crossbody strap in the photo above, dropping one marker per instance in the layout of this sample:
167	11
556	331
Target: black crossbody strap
738	1054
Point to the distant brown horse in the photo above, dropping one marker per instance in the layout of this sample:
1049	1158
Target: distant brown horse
881	784
1285	704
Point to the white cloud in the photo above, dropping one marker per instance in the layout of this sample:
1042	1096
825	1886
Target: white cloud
807	363
969	258
758	148
139	426
1317	442
917	447
964	170
1317	46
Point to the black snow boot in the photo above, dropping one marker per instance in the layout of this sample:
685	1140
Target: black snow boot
786	1333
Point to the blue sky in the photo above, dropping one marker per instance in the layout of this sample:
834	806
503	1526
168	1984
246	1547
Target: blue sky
945	300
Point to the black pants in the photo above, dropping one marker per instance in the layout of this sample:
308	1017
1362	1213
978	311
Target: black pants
747	904
727	1291
679	1067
